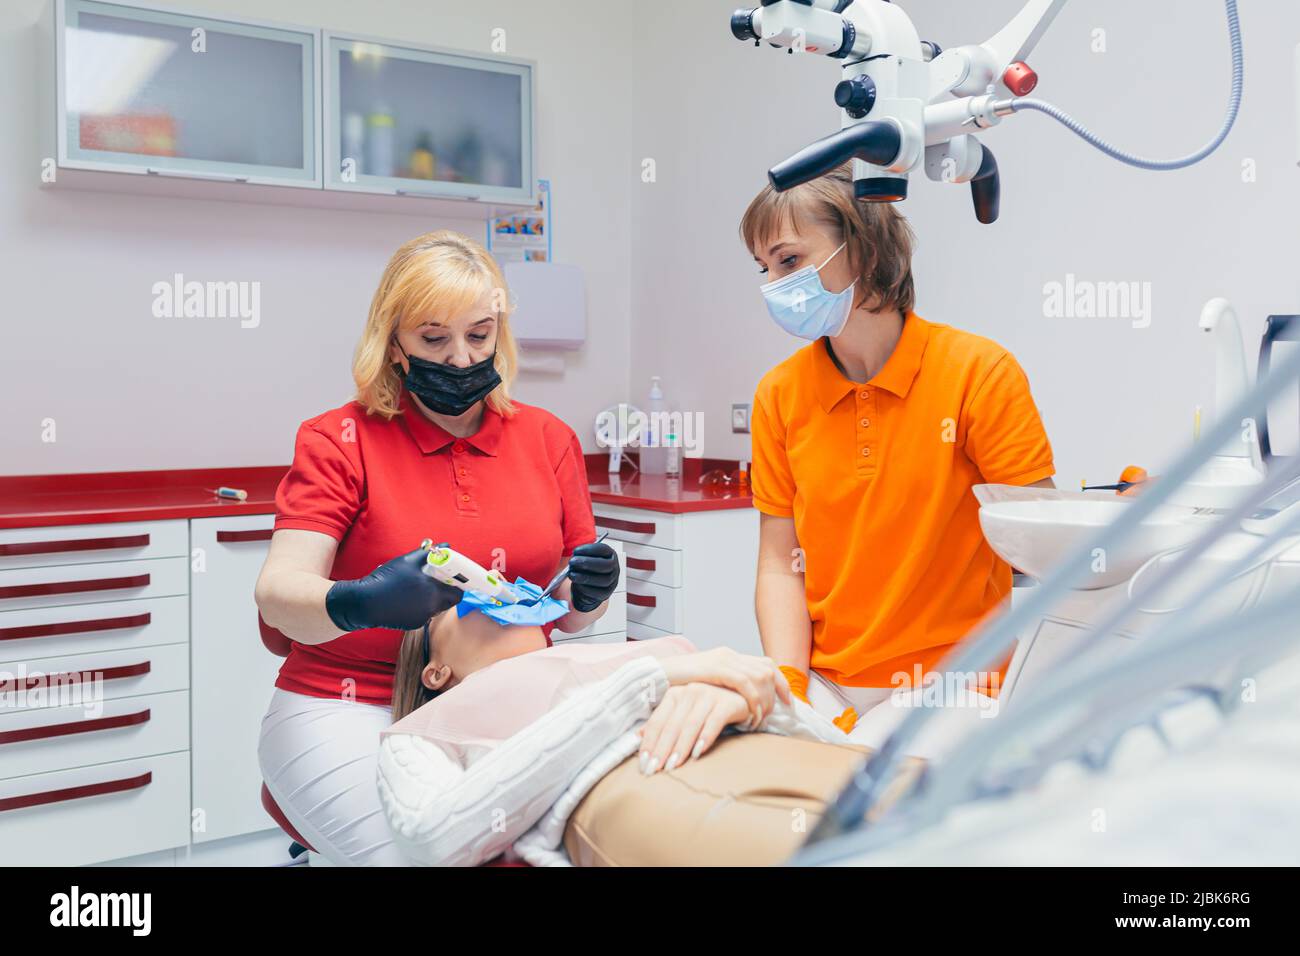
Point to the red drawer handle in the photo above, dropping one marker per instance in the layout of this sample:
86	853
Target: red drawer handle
75	587
641	600
641	564
74	544
225	537
75	627
77	677
75	793
622	524
74	727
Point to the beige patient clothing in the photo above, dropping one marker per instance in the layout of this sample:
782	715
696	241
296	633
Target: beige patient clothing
751	800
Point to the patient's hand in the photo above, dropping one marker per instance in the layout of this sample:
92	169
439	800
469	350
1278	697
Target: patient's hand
686	723
757	679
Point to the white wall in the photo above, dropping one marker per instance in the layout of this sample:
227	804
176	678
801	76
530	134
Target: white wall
716	113
672	291
127	391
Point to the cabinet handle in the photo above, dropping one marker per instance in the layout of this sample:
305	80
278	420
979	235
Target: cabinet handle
641	600
227	537
74	727
75	793
73	544
74	587
641	564
622	524
84	677
75	627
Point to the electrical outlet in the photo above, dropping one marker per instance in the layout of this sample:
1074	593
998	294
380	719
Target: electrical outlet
740	419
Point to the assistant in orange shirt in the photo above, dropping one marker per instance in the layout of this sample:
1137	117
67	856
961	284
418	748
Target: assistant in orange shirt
866	443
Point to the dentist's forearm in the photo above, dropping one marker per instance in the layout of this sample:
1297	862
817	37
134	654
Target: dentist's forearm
293	602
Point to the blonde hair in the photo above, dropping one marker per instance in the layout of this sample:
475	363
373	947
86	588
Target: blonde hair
431	277
878	239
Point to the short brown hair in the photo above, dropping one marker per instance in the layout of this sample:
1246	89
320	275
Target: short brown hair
879	240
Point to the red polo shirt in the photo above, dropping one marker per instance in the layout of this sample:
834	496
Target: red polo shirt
512	496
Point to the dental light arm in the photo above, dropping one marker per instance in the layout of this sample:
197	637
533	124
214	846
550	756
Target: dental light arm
905	103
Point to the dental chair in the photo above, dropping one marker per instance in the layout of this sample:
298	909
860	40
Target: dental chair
275	642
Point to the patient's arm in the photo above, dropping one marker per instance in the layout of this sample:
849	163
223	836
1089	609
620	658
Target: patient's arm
443	814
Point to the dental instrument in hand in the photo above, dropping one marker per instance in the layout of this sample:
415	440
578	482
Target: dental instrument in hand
559	578
452	567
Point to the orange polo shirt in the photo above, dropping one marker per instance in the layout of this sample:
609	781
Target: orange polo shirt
878	477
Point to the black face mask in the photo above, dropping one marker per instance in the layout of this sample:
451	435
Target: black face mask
449	390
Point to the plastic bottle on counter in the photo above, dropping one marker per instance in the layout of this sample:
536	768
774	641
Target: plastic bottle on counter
654	454
673	460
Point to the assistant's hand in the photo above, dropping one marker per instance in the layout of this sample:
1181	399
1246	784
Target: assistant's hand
798	681
593	575
686	723
397	594
756	679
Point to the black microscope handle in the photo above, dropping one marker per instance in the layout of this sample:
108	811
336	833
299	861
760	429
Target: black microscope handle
986	188
874	141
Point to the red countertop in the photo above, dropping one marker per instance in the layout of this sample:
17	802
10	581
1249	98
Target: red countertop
631	489
37	501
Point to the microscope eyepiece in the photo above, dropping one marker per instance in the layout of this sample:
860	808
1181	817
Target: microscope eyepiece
742	25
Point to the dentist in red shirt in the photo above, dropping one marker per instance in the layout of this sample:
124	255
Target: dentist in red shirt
432	447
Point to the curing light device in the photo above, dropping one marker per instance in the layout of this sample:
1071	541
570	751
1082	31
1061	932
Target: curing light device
452	567
907	103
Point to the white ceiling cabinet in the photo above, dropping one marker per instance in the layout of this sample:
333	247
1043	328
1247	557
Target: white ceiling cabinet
174	102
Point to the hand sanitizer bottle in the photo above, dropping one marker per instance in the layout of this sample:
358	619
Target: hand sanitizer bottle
654	455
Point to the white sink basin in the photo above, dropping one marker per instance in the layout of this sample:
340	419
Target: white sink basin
1034	536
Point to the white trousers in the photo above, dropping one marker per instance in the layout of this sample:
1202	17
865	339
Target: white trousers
882	709
319	758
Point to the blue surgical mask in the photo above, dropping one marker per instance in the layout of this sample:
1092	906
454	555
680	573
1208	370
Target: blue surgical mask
801	305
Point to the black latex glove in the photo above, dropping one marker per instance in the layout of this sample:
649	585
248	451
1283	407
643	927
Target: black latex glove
397	595
593	575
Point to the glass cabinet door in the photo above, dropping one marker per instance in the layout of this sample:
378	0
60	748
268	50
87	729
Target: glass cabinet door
405	120
149	90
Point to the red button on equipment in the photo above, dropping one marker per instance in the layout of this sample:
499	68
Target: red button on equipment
1020	79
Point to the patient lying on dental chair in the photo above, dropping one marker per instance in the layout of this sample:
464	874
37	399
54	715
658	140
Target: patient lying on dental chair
632	754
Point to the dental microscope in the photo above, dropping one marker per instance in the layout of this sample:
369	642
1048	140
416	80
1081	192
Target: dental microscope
907	103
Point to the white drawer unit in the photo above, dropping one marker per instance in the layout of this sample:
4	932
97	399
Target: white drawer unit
93	543
106	675
94	691
656	605
611	627
234	674
91	583
690	574
638	526
86	544
94	813
81	628
648	563
46	739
